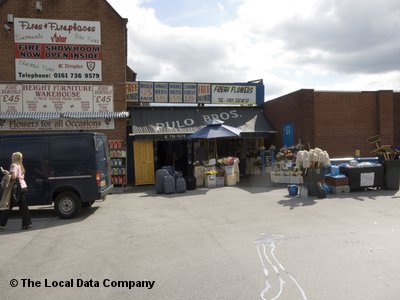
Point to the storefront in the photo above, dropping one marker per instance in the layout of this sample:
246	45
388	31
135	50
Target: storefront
160	137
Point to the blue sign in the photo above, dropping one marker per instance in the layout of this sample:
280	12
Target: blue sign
288	134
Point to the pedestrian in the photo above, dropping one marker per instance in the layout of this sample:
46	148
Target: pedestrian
19	189
243	158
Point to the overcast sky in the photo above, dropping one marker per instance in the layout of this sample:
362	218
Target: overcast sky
290	44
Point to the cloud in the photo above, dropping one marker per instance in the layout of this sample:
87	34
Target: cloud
321	44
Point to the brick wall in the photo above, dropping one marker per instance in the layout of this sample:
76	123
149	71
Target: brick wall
113	43
296	107
339	122
344	121
396	119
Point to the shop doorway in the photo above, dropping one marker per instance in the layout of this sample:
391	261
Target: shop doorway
144	162
173	153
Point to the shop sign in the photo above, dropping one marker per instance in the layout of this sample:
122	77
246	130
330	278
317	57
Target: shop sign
57	50
189	92
233	94
131	91
56	98
204	93
146	92
188	122
161	92
207	93
61	124
175	92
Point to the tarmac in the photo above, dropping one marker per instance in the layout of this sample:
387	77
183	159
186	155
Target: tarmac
249	241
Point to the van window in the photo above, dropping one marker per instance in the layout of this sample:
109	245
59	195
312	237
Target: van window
33	149
100	147
70	148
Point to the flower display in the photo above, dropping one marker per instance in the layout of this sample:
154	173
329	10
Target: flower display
227	161
211	172
314	158
285	154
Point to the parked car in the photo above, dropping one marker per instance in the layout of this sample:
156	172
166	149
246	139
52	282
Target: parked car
71	170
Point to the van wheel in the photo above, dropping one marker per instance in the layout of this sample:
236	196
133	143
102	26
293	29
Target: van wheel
67	205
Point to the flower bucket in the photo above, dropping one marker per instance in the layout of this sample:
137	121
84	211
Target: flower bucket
229	170
311	177
293	190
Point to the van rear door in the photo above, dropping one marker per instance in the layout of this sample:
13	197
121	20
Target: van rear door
103	172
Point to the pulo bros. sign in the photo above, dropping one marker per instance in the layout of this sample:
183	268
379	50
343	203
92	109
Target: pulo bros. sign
200	120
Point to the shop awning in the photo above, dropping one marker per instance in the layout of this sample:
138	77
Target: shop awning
29	115
158	123
95	115
65	115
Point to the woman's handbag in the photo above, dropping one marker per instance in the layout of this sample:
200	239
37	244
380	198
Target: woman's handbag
16	193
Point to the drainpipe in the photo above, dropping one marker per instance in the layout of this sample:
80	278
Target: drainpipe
378	114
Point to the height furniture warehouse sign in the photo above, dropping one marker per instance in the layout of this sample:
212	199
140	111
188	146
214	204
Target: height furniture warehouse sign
207	93
20	98
57	50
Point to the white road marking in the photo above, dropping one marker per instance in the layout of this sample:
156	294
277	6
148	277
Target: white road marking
267	242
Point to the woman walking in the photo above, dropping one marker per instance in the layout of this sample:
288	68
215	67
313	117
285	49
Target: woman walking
17	172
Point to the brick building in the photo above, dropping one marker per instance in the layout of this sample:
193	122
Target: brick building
63	67
339	122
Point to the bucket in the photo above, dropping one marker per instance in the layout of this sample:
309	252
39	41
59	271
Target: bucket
293	190
335	171
303	192
229	170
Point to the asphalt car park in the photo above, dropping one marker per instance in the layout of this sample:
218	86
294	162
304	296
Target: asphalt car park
242	242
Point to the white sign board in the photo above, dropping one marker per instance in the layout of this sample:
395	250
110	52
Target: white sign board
57	50
56	98
233	94
367	179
